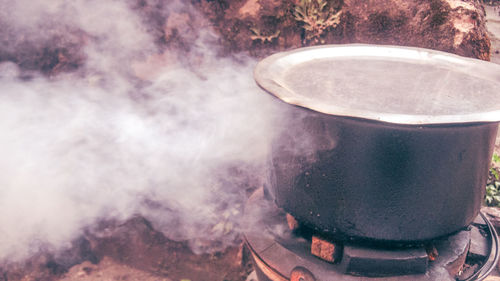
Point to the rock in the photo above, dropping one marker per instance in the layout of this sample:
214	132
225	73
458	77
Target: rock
252	276
456	26
108	269
130	250
35	268
452	252
63	52
493	214
468	272
137	244
262	27
479	244
479	221
49	266
79	252
250	8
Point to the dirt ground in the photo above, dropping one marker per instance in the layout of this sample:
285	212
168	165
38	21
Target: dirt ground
108	269
132	250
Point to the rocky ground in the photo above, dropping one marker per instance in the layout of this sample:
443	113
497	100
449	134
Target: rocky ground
130	251
268	26
262	27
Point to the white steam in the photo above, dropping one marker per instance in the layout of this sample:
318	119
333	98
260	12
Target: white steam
100	144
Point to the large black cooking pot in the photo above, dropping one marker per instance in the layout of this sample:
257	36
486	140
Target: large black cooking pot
381	143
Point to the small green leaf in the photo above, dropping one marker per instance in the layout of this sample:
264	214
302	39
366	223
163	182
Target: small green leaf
496	158
495	173
316	18
488	200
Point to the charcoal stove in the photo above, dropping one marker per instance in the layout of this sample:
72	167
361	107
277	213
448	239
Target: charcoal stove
283	251
380	173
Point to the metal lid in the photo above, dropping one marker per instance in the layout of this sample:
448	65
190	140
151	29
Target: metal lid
400	85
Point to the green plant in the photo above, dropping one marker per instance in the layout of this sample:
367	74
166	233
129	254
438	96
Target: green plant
263	38
316	18
492	197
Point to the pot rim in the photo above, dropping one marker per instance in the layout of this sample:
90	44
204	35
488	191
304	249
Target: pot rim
270	76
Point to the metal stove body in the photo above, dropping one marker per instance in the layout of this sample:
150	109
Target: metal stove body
281	251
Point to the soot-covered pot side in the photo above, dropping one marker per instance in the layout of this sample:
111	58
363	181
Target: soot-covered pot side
360	179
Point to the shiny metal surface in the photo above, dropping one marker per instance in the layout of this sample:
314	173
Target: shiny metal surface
392	84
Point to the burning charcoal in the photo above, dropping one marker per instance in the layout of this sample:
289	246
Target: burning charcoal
301	274
293	224
325	250
432	252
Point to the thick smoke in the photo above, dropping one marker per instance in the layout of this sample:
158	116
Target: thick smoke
178	144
